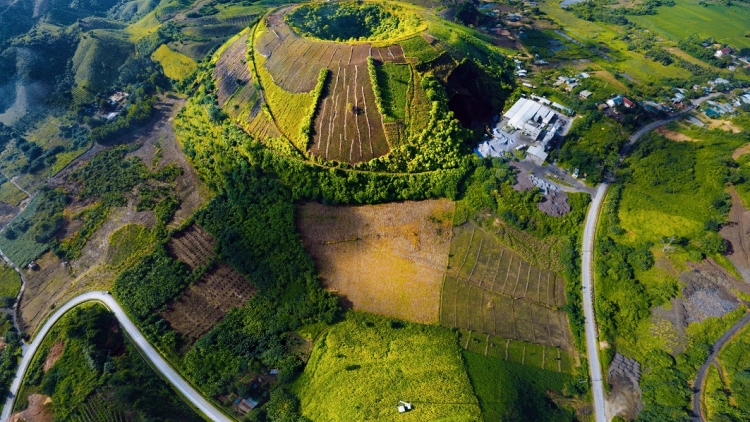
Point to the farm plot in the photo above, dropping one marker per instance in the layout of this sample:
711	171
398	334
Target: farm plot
490	289
387	259
293	62
349	127
231	70
206	302
193	246
392	54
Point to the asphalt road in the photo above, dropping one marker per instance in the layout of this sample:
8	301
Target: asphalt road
715	349
147	351
587	278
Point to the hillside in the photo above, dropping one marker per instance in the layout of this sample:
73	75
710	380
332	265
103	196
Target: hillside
361	86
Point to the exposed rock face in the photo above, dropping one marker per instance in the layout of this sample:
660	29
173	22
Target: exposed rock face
625	397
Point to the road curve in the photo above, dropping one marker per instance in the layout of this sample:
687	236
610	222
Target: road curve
587	279
190	394
587	258
715	349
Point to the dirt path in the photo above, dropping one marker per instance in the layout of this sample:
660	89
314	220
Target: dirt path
715	349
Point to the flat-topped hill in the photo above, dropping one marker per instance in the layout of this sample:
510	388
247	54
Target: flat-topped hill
352	82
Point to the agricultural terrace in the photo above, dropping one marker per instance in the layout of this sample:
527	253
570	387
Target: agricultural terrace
548	358
203	304
360	369
348	126
176	65
315	97
237	93
193	246
387	259
492	290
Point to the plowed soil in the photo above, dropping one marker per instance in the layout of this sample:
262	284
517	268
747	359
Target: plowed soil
205	303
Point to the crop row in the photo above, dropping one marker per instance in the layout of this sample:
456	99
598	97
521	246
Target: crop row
349	127
231	70
193	246
470	307
205	303
478	258
543	357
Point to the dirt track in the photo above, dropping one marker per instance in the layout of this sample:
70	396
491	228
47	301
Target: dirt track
735	232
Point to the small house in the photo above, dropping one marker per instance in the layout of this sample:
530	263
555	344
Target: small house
585	94
627	103
614	102
722	52
33	266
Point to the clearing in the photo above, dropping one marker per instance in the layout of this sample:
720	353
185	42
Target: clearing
193	246
205	303
387	259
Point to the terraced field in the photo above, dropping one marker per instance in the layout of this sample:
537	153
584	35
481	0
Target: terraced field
348	126
231	70
492	290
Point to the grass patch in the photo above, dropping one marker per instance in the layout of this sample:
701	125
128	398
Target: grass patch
129	244
418	48
730	399
10	282
10	194
393	80
509	391
176	66
688	17
360	368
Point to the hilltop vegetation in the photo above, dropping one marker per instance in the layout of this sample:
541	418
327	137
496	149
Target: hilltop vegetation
353	21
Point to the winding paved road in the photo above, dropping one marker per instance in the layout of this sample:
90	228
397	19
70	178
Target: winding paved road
148	352
715	349
587	270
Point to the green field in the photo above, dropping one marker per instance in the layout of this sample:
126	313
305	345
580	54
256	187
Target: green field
360	369
10	281
10	194
128	244
418	48
726	24
19	240
542	357
176	66
508	391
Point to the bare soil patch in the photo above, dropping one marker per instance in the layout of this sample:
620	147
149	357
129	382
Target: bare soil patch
38	410
205	303
723	125
735	232
193	246
675	136
53	355
387	259
741	151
